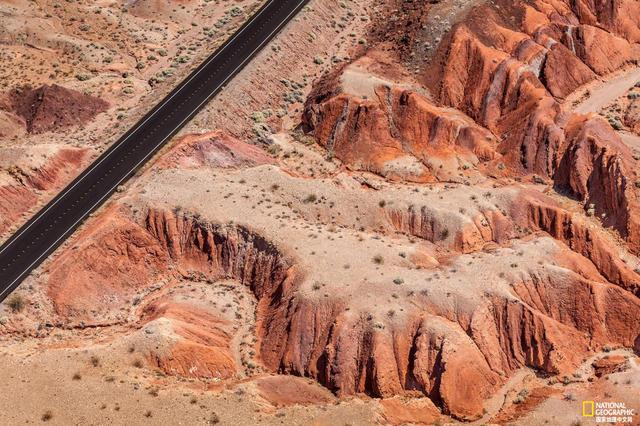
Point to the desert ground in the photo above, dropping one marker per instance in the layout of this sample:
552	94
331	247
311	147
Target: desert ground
401	212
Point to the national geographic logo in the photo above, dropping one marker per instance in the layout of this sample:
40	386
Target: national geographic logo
608	412
588	408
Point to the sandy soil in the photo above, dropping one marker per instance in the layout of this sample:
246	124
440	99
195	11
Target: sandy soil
37	386
256	273
128	55
606	97
117	391
595	96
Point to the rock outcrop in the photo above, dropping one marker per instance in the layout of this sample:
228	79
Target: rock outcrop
50	108
506	76
544	327
456	359
464	232
213	149
22	177
201	346
107	271
397	132
540	213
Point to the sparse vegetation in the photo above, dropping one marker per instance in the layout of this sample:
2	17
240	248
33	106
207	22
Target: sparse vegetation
16	303
319	212
521	397
214	419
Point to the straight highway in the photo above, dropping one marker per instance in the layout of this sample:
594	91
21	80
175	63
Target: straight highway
49	228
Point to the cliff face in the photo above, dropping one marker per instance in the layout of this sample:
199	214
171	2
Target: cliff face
224	251
398	133
543	325
508	87
474	228
505	76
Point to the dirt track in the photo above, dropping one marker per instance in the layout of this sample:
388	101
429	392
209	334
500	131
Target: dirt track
604	93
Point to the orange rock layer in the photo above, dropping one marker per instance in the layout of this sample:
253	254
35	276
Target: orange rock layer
554	318
19	196
506	77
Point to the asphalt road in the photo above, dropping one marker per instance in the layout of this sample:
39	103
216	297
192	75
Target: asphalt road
41	235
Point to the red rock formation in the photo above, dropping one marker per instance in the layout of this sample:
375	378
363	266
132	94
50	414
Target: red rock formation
434	225
564	72
50	108
561	44
503	73
609	364
455	361
553	318
322	340
213	149
204	348
536	212
221	250
597	168
583	155
107	270
18	196
369	134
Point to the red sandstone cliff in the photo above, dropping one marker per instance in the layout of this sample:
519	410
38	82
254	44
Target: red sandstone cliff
492	113
504	76
543	325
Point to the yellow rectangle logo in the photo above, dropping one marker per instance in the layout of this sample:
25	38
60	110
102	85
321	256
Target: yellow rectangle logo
588	408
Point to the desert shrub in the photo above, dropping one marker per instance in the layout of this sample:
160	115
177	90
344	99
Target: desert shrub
16	303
